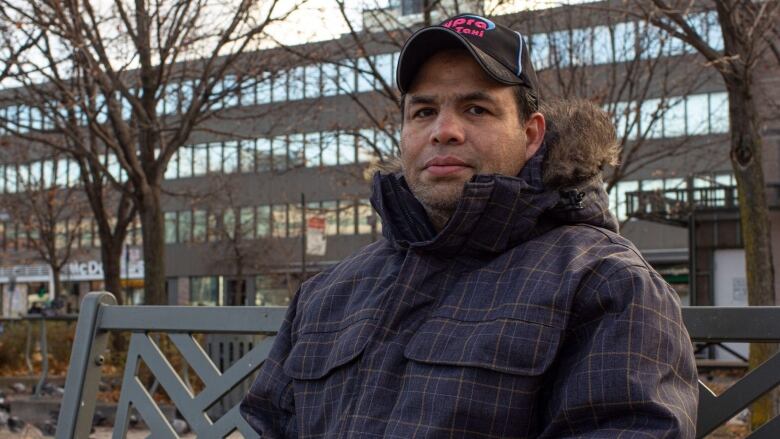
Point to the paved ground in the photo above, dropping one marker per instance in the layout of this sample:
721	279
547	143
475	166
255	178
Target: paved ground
100	433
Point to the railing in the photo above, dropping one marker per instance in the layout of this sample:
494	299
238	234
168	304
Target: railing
100	316
676	204
44	344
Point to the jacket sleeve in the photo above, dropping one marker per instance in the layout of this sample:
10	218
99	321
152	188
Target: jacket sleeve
269	406
626	366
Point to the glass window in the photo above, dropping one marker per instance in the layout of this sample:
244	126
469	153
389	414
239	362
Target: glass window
346	148
331	211
295	84
200	159
213	233
274	289
199	226
114	168
170	227
719	112
385	68
215	157
279	218
47	173
2	179
247	225
365	76
229	223
714	33
365	217
263	221
674	118
204	291
626	120
366	145
247	155
247	91
230	87
624	187
697	115
294	220
330	79
263	88
279	150
650	40
295	150
230	154
651	122
602	45
560	48
582	46
171	169
346	217
312	150
311	78
263	154
624	42
346	78
279	88
185	161
171	98
11	179
185	226
329	142
61	173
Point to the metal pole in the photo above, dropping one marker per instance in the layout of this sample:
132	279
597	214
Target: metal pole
127	274
27	347
45	363
303	237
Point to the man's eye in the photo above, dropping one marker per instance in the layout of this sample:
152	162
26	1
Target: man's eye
423	112
477	110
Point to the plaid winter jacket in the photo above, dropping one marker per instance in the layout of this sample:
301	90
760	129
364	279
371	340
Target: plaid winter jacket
527	316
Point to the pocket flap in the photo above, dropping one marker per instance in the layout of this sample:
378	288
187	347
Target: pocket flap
315	354
503	345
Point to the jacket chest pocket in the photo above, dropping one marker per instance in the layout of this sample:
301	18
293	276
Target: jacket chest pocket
315	355
486	372
503	345
323	366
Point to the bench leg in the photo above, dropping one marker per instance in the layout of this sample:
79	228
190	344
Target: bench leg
86	358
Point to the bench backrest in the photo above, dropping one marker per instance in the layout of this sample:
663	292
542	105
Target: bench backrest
100	315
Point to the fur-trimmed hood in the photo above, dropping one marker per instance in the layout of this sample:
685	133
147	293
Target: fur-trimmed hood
560	185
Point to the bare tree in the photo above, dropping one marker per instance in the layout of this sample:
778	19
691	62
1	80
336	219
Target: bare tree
750	33
609	57
141	77
47	213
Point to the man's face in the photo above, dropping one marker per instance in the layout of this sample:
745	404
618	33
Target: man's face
459	122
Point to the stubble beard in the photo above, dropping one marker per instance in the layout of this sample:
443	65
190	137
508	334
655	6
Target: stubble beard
439	200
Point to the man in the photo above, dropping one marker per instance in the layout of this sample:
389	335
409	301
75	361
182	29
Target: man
501	301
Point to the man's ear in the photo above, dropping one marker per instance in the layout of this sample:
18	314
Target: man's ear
534	134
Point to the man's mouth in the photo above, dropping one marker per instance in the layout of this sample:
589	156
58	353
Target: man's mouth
441	166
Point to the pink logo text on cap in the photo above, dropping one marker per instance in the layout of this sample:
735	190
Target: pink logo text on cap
470	25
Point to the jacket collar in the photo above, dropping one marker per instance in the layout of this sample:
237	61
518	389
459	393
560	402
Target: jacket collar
494	213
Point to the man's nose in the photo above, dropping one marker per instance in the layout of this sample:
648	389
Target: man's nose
448	130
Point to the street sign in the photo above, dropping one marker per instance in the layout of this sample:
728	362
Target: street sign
315	236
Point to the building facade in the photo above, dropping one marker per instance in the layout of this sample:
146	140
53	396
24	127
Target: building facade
299	143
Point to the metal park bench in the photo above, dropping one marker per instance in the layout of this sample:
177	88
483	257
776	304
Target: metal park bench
100	315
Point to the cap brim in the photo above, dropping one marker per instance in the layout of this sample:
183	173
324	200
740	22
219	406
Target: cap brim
426	42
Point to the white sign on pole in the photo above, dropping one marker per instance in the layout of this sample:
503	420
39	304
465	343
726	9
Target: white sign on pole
315	236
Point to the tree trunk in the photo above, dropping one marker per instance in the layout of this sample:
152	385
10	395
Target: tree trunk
153	231
56	281
111	253
747	163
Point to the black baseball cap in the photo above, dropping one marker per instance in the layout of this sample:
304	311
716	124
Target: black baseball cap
499	50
